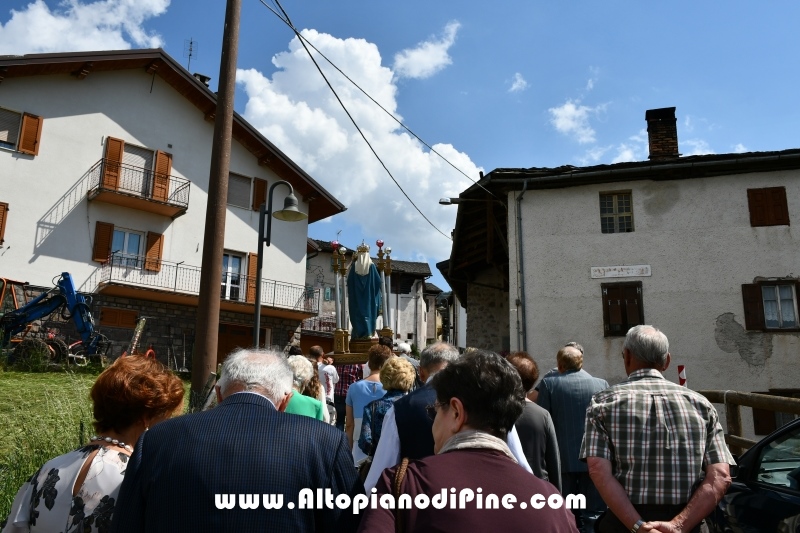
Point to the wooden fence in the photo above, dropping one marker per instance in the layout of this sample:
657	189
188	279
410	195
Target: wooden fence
734	400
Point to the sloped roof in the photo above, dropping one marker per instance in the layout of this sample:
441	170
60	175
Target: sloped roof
322	204
431	288
411	268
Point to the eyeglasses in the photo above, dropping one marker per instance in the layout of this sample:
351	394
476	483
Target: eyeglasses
431	410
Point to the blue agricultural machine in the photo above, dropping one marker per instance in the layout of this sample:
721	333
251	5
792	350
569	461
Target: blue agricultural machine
17	317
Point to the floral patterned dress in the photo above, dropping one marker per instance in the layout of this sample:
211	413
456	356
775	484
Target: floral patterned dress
45	502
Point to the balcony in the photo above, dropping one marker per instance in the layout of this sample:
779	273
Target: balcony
136	277
322	323
138	188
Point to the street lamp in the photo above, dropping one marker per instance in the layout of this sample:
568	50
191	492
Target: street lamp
289	213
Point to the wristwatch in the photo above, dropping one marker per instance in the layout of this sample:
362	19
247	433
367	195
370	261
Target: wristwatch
637	525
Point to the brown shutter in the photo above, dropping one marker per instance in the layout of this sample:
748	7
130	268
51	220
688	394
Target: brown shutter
3	217
103	234
778	208
111	165
756	201
152	257
109	317
753	307
252	267
632	306
127	319
161	177
259	193
31	134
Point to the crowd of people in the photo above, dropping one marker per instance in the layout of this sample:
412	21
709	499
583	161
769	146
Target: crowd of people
300	443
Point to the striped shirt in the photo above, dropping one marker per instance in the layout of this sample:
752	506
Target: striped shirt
658	435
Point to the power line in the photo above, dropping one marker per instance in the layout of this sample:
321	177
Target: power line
365	93
347	112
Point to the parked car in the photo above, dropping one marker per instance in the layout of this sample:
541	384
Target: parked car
765	494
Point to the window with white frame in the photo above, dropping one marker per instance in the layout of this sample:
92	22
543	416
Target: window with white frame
616	212
780	306
239	190
126	248
232	276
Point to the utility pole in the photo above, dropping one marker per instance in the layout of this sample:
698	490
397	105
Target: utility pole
204	358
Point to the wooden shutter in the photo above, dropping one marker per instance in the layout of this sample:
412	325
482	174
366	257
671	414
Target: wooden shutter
252	267
259	193
127	318
753	307
778	207
163	169
633	306
152	257
756	201
109	317
3	217
31	134
111	165
103	234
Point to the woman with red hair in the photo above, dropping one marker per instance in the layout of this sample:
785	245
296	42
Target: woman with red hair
77	491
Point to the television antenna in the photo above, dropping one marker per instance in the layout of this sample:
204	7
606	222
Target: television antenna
191	48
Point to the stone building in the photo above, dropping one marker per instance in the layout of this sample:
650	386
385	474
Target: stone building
105	162
702	247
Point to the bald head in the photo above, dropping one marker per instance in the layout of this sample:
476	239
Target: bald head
570	357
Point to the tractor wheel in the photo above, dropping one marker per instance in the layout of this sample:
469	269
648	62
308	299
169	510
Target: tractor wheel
60	350
32	355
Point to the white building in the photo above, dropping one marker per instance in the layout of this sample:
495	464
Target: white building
702	247
104	160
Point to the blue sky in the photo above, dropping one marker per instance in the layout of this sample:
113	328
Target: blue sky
500	84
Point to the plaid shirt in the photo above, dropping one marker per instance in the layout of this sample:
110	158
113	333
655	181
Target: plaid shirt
348	374
659	437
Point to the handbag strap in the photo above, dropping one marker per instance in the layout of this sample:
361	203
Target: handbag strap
397	490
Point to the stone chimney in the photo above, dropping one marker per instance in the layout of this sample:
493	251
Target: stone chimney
202	78
662	133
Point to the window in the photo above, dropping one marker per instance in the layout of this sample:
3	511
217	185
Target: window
20	131
622	307
768	207
136	170
777	464
3	217
616	212
129	248
770	305
328	295
126	248
239	190
231	276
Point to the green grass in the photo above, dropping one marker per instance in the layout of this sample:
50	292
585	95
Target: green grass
40	418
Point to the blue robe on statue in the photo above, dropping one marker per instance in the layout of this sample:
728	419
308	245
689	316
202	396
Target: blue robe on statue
364	301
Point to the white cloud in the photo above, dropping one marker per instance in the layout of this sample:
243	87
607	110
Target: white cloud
697	147
593	156
572	119
429	57
739	148
75	25
295	110
591	81
518	83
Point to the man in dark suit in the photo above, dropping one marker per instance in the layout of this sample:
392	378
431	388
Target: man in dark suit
221	470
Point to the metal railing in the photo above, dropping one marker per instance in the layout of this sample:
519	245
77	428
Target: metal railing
140	271
326	323
136	181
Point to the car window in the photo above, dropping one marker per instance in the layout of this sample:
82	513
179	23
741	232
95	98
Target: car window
779	463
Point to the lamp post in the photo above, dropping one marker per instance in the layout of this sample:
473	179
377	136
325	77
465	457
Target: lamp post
289	213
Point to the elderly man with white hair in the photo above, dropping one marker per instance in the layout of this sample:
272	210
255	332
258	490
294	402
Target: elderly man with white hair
242	465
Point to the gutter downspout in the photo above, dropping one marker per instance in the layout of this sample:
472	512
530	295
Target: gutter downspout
521	273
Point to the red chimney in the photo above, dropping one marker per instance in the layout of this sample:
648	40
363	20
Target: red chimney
662	132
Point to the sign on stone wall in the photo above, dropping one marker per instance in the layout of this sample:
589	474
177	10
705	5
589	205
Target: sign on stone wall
625	271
